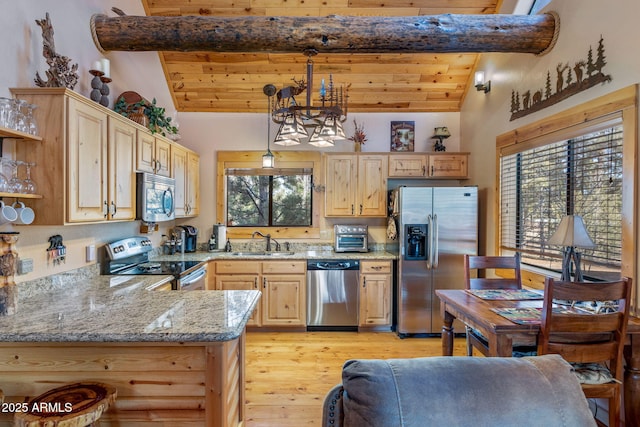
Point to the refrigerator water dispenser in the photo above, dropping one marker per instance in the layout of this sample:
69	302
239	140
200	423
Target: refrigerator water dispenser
416	244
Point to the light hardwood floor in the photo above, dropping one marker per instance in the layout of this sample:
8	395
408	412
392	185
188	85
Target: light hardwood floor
289	374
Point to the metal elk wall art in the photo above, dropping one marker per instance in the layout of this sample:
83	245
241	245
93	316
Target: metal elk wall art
569	81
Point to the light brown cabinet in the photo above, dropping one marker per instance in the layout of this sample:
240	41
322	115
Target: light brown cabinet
153	154
284	293
185	169
429	165
282	283
375	294
87	159
84	166
454	165
408	165
356	185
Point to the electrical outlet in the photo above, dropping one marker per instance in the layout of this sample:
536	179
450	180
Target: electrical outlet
25	265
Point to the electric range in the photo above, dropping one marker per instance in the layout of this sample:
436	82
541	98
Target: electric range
130	256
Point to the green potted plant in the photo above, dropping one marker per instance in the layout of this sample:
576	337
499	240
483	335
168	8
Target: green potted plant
147	114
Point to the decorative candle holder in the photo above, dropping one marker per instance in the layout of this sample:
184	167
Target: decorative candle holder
96	85
104	91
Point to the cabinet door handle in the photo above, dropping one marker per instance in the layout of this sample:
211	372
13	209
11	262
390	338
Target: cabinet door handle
364	282
105	210
432	168
424	170
255	283
264	282
114	209
360	209
376	267
352	208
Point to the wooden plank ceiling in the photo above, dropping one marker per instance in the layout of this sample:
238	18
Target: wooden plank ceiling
233	82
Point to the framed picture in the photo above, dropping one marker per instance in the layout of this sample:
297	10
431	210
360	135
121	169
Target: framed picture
402	136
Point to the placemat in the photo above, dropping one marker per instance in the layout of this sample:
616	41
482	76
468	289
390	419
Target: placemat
505	294
532	315
521	316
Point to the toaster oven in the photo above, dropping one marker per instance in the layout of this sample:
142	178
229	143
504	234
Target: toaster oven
351	238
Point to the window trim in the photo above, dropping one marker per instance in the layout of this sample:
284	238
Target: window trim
624	102
284	159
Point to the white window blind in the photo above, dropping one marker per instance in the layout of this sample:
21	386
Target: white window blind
579	175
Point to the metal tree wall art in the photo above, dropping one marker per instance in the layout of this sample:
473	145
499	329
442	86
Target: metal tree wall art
569	81
59	73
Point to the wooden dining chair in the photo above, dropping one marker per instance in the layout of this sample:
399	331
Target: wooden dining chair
480	272
592	343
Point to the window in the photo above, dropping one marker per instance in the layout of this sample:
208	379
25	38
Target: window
577	172
269	197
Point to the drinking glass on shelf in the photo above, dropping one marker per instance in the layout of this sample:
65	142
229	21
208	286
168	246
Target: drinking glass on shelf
6	113
32	125
21	115
15	183
29	185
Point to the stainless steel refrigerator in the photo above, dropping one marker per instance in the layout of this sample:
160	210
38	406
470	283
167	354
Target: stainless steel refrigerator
434	228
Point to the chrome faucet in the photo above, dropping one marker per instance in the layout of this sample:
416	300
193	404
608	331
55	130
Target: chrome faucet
266	236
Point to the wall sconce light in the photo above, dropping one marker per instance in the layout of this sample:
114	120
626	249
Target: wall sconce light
480	83
440	134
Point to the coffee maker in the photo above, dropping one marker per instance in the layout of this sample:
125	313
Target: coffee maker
190	241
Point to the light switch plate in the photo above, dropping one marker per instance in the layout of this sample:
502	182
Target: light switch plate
91	253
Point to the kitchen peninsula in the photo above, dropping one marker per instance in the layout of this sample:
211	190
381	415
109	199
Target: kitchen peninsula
175	357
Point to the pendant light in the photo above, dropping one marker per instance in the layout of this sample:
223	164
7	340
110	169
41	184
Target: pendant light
268	160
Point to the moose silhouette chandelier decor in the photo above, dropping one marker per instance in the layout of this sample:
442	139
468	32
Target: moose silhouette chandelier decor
321	123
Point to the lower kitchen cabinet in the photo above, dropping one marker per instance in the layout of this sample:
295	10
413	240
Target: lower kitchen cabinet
282	283
375	294
239	275
284	293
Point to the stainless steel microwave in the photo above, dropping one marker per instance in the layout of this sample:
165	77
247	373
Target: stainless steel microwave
155	197
351	238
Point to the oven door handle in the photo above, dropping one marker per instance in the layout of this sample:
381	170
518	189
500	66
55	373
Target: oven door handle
191	278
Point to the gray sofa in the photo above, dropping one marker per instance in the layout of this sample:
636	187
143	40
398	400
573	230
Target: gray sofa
457	391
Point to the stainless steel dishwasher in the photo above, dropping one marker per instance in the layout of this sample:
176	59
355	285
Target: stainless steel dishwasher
332	294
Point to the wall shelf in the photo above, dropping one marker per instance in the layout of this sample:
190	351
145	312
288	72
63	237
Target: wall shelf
14	134
20	195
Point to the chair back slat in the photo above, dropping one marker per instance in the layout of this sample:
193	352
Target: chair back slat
478	269
585	338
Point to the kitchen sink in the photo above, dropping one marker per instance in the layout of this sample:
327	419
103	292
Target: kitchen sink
263	253
279	253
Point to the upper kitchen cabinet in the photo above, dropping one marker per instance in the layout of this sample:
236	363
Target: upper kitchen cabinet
153	154
429	165
185	165
85	164
452	166
356	185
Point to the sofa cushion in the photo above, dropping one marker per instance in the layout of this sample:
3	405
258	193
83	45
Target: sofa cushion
463	391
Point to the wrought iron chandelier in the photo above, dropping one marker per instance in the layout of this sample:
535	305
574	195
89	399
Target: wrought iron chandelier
322	123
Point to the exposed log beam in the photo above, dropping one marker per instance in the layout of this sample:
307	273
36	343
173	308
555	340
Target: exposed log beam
329	34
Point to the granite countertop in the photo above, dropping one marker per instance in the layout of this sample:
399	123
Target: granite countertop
274	256
72	308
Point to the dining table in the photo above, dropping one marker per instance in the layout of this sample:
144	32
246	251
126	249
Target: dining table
482	314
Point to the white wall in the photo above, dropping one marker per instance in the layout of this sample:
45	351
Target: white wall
486	116
21	50
207	133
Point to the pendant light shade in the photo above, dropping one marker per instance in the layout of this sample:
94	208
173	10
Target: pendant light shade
268	160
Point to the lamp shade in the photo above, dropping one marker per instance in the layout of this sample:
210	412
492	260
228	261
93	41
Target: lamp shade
441	132
571	232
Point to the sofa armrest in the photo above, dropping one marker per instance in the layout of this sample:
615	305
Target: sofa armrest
332	414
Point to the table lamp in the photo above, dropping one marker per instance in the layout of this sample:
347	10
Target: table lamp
572	234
